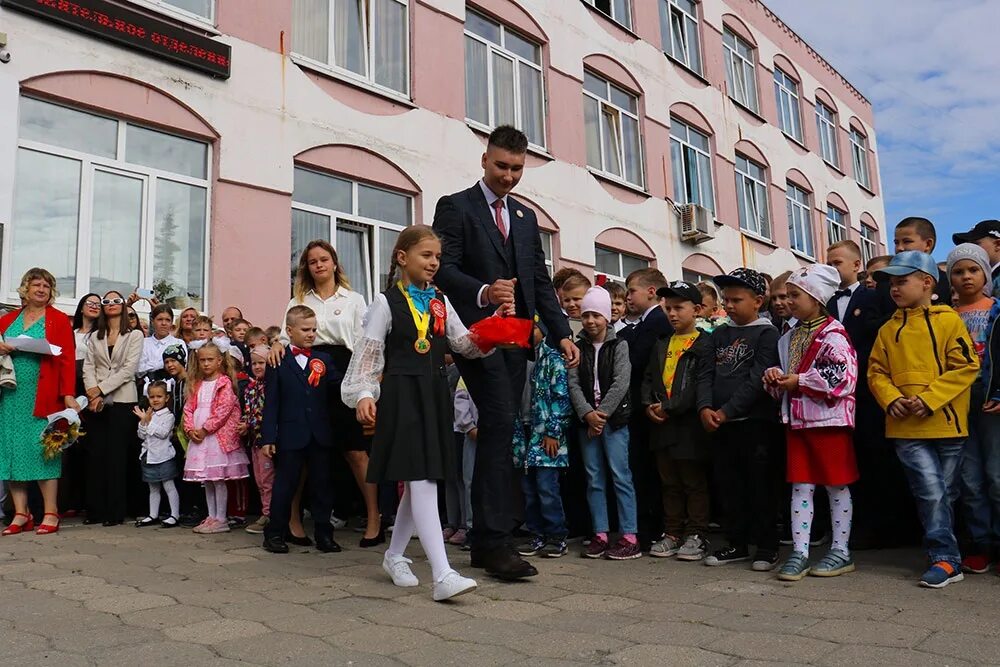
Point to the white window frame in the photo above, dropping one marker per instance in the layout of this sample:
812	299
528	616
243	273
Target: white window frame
501	51
742	88
786	93
89	164
800	229
627	22
606	102
859	158
367	80
622	274
681	53
752	199
826	126
169	8
836	230
681	197
374	255
869	243
548	242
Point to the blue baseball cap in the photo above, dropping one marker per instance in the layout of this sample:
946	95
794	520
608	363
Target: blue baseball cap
911	261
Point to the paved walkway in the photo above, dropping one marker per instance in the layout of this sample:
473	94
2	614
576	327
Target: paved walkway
124	596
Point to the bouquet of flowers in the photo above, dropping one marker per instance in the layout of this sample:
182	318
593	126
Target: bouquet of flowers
63	430
500	331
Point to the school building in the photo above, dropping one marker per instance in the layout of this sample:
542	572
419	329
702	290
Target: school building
193	147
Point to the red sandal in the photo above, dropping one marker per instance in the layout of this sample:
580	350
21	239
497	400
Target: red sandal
44	529
14	529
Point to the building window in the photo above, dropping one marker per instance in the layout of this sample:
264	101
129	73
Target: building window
751	197
360	220
836	225
611	117
741	70
869	244
826	125
108	205
679	32
799	220
617	265
546	238
618	10
859	156
694	277
503	78
691	158
364	39
786	92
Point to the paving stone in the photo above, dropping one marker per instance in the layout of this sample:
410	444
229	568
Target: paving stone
763	621
94	643
587	602
48	657
506	610
488	631
24	572
866	656
305	594
316	625
169	617
157	653
568	645
656	655
669	611
405	617
222	558
520	591
373	639
14	644
964	646
671	632
868	632
279	648
966	618
772	646
254	611
128	603
459	654
214	632
596	622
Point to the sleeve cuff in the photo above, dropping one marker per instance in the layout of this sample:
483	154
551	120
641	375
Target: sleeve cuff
481	299
365	394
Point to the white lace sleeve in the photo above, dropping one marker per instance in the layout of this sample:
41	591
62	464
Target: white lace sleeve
368	361
458	336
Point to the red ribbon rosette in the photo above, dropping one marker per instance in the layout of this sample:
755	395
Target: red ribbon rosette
499	331
317	369
440	314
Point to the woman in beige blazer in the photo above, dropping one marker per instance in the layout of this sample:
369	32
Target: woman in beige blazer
109	367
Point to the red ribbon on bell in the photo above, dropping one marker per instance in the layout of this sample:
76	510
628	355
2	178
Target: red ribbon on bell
440	314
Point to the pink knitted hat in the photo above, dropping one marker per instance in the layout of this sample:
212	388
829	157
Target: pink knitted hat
597	300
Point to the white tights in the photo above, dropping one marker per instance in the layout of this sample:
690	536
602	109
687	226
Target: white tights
216	499
172	498
841	516
418	512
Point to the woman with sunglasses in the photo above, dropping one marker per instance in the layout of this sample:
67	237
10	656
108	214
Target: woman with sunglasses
44	386
109	368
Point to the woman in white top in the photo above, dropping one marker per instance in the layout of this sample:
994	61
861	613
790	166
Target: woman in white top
321	284
161	337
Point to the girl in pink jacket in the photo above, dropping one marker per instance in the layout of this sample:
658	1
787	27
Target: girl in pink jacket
816	383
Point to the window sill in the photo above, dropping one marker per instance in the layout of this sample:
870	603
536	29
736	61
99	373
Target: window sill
687	69
836	168
745	108
797	142
614	180
354	82
867	189
202	24
534	149
621	26
802	255
759	239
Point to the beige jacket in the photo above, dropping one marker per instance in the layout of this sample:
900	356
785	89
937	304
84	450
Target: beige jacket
114	375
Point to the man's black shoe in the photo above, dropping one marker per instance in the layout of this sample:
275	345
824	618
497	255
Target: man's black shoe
476	560
327	545
275	544
506	564
303	541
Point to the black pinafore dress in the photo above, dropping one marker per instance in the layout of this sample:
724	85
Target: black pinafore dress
414	422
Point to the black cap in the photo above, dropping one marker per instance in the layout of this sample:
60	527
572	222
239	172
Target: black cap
680	290
980	231
743	277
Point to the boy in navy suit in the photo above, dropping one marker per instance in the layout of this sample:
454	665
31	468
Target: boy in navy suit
296	430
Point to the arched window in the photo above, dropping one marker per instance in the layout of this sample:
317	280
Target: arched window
619	252
691	157
787	92
798	205
740	55
751	196
679	32
619	11
859	154
828	128
869	238
611	123
837	224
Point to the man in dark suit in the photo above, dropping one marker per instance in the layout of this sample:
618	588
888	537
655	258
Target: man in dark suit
652	324
296	430
492	255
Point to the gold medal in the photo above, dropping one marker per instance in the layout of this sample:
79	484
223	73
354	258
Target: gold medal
422	345
421	321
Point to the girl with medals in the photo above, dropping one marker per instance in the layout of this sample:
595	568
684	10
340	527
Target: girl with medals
398	370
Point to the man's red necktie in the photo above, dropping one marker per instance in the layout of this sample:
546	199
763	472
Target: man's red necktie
498	209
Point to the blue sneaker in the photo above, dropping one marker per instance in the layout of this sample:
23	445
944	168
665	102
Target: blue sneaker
941	574
833	564
795	567
532	547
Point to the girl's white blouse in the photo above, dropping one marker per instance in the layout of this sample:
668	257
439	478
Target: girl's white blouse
338	319
362	378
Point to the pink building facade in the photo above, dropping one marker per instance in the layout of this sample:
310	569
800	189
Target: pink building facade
194	146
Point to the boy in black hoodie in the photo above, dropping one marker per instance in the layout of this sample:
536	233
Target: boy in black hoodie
734	407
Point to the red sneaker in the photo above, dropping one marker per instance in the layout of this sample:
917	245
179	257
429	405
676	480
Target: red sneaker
596	548
977	564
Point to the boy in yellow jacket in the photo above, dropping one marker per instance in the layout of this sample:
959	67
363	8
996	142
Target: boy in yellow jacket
920	371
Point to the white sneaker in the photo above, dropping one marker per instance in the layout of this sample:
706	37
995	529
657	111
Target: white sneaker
337	522
451	585
398	567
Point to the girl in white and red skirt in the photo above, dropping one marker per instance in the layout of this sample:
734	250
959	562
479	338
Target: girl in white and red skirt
816	383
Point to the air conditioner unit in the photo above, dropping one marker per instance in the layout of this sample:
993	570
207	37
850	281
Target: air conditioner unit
696	223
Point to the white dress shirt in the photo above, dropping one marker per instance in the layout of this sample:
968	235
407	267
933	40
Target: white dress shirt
152	352
491	197
338	319
155	437
648	311
843	301
301	360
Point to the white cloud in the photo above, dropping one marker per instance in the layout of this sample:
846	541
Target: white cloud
932	72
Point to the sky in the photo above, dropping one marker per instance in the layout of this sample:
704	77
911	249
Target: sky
932	73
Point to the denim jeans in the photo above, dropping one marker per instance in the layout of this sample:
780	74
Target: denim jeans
543	508
611	446
932	470
981	478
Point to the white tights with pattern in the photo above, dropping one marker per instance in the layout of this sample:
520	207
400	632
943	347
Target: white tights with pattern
841	515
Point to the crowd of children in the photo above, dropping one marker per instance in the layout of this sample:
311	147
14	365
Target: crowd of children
694	406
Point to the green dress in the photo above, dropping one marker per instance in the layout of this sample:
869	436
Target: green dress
21	457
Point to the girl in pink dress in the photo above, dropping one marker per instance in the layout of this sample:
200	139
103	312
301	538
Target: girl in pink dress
212	422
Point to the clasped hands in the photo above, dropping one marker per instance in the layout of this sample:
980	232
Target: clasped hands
906	407
779	379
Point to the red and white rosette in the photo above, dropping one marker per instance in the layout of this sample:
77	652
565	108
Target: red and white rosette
317	369
440	314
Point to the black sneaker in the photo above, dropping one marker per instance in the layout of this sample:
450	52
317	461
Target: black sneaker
765	560
554	549
533	547
727	556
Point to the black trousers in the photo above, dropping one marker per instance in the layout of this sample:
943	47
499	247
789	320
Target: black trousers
495	384
111	438
288	465
749	473
645	479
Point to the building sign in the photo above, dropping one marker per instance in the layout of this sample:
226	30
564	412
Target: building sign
146	33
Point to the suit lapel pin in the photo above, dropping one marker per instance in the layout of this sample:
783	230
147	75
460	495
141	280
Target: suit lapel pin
337	312
857	312
520	213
